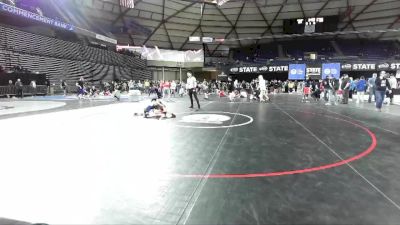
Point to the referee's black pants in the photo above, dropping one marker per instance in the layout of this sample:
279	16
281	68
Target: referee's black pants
192	92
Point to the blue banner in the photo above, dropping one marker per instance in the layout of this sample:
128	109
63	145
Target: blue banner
36	17
297	71
331	69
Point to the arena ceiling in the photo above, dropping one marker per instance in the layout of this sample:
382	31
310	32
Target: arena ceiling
168	23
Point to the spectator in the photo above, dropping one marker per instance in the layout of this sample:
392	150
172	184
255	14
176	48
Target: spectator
345	86
19	88
48	86
393	85
331	86
10	90
382	85
173	88
33	88
361	86
64	87
371	87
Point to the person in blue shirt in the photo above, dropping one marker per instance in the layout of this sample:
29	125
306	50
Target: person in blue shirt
361	87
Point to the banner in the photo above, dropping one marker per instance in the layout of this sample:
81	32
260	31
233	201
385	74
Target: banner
156	54
331	69
259	69
106	39
313	72
297	71
34	16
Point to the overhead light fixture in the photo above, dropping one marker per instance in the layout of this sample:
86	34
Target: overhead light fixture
216	2
221	2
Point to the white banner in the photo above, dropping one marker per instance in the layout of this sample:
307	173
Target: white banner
157	54
106	39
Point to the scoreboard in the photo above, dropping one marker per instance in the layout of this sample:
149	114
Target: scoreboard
311	25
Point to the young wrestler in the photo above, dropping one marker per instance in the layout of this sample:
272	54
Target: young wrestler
156	109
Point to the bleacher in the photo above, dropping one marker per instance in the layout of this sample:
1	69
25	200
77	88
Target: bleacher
66	60
369	49
300	49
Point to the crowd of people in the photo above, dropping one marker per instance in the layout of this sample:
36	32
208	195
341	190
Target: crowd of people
332	91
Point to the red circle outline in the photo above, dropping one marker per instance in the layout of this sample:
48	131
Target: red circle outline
366	152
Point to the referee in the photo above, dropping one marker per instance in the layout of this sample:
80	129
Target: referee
191	86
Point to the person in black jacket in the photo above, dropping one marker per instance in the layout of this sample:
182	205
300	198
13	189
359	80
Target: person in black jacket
346	89
19	88
382	84
331	85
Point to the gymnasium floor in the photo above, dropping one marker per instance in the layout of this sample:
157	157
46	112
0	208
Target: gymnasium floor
284	162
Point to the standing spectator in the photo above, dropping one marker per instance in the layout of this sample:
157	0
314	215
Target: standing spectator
166	88
393	85
372	87
173	88
130	85
64	87
19	88
353	85
361	86
146	86
263	89
331	88
191	86
33	88
10	89
345	86
382	85
48	86
140	86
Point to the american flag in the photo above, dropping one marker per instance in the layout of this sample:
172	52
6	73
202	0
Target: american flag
127	3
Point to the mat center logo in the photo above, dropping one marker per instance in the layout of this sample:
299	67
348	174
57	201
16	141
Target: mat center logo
206	119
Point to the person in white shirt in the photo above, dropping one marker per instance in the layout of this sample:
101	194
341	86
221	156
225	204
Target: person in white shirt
191	86
393	85
263	89
33	88
173	88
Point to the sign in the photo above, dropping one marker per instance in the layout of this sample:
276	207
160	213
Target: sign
106	39
278	69
346	67
262	69
363	66
331	69
248	69
309	28
208	39
297	71
234	70
34	16
395	66
194	39
313	71
383	66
